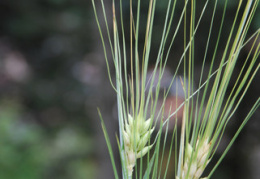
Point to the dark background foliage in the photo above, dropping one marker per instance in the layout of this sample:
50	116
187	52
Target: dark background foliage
52	79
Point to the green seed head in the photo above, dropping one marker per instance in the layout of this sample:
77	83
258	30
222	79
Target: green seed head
136	134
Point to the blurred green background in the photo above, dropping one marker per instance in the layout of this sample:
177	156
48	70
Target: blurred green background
52	79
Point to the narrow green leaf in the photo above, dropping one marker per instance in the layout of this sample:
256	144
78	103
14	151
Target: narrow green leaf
108	145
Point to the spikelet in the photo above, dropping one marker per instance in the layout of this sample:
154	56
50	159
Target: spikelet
196	159
136	135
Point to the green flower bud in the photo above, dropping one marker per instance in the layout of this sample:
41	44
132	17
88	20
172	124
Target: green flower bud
136	135
128	129
189	151
130	120
146	125
126	138
144	139
198	160
143	151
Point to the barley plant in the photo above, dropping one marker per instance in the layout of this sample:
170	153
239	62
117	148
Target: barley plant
208	106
